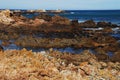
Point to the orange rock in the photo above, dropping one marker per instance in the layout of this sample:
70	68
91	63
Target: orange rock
83	63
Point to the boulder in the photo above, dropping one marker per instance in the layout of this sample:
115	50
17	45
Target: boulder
74	22
5	17
88	23
107	30
60	20
103	24
44	16
116	56
6	13
102	57
39	21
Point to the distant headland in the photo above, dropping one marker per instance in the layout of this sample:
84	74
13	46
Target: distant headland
36	10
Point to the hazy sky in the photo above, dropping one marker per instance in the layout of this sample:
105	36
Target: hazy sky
60	4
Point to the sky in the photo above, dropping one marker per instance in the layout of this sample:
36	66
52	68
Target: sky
60	4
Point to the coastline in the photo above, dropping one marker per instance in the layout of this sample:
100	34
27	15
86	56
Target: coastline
45	31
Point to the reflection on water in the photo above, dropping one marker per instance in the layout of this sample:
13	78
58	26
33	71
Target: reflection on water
12	46
67	49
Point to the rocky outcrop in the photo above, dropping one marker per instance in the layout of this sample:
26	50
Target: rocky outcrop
106	24
116	56
60	20
103	24
5	17
54	65
88	24
37	22
107	30
44	16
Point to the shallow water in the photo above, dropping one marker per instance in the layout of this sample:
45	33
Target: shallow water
117	36
67	49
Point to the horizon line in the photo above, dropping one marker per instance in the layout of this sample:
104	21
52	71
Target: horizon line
57	9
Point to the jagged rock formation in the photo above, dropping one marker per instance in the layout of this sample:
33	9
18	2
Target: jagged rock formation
60	20
5	17
28	65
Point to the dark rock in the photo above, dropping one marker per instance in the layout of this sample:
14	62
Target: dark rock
116	57
74	22
89	23
103	24
44	16
1	48
60	20
101	54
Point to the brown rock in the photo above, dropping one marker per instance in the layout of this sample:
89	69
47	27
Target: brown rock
116	56
107	30
5	17
103	24
60	20
86	55
44	16
103	64
89	23
38	21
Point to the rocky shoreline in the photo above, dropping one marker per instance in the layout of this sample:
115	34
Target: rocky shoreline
45	31
54	65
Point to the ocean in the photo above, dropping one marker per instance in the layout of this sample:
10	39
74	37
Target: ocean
112	16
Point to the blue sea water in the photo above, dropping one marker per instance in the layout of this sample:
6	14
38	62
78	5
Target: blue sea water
112	16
